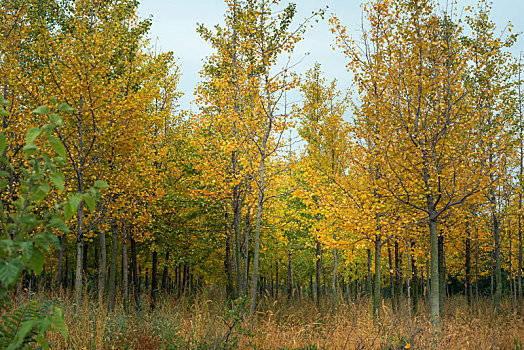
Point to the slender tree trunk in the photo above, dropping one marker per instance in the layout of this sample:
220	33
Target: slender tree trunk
519	272
334	283
377	293
442	274
113	267
468	267
318	271
59	272
247	233
498	271
391	277
103	267
277	280
398	277
435	290
228	265
84	258
369	280
289	277
154	280
165	274
79	253
134	272
125	277
258	226
78	272
414	279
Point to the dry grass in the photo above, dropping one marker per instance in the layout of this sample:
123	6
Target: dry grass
208	321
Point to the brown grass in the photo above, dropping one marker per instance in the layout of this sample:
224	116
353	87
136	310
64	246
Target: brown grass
205	321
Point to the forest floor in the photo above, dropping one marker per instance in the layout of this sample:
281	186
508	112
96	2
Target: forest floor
208	321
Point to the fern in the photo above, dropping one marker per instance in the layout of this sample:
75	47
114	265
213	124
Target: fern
27	325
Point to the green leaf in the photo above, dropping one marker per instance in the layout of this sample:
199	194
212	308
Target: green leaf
68	211
42	110
57	145
21	334
3	101
56	119
37	261
41	241
59	224
43	343
27	250
29	150
3	142
90	201
58	180
75	200
101	184
31	135
3	112
58	321
52	239
9	271
64	107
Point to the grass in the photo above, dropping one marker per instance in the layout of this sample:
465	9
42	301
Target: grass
208	321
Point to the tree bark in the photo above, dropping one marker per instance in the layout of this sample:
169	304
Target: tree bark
154	280
442	274
125	277
134	272
113	267
318	270
468	290
103	266
377	293
435	290
258	226
59	272
165	274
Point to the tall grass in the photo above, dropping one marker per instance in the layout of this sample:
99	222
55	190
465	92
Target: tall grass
207	320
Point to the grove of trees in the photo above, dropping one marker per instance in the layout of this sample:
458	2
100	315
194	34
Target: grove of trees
406	187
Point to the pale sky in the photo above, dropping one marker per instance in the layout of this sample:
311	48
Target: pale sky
175	21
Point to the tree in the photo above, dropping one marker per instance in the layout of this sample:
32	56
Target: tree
413	80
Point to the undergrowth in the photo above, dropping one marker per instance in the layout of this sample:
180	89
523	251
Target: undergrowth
209	321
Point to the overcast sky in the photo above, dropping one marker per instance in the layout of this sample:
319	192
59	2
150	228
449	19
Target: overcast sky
175	21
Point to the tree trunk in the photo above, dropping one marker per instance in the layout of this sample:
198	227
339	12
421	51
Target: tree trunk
247	232
289	277
468	290
435	291
398	277
134	272
103	267
318	270
113	267
414	279
258	226
79	253
165	274
84	258
78	271
334	282
227	264
519	272
125	277
154	280
369	279
391	277
498	271
59	272
442	274
377	293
